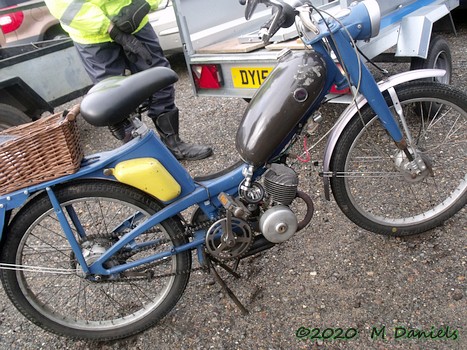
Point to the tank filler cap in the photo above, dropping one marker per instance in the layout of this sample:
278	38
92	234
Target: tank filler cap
284	53
300	95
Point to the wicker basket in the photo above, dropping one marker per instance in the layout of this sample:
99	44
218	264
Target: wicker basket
39	151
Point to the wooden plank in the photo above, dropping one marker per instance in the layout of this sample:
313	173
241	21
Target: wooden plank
231	46
294	44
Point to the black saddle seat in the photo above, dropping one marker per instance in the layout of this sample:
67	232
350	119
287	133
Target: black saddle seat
113	99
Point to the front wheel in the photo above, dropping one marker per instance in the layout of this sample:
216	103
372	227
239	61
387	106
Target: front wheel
47	285
371	184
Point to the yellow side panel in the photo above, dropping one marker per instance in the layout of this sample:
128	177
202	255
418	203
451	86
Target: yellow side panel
149	175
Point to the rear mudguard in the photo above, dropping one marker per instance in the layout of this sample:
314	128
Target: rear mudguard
359	103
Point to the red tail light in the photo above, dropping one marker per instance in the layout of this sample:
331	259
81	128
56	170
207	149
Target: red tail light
207	76
11	21
334	90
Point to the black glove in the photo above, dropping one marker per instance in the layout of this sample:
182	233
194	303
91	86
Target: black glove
133	47
130	17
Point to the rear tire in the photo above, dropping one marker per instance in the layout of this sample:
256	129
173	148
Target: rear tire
59	297
370	185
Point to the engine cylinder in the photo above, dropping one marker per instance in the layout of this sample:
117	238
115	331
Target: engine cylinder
281	183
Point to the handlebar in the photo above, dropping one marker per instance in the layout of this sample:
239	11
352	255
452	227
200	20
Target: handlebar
361	20
283	15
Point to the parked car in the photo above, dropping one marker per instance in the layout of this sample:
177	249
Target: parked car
164	23
2	38
37	24
28	25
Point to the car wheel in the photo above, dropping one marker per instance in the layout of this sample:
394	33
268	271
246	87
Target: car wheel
11	116
55	33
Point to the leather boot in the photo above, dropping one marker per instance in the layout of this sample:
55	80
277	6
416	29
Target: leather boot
167	124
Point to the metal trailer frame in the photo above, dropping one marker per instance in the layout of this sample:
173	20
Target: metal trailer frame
52	70
406	25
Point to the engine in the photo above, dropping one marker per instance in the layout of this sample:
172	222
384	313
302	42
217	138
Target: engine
262	206
279	223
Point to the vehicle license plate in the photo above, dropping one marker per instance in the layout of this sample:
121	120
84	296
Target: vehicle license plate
249	77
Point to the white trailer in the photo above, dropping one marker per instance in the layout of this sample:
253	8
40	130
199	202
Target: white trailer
226	58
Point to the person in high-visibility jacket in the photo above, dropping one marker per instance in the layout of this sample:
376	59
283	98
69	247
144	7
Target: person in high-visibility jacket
113	36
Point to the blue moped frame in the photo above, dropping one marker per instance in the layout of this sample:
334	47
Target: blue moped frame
203	193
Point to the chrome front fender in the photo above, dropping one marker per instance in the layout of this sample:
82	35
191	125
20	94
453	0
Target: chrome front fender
357	105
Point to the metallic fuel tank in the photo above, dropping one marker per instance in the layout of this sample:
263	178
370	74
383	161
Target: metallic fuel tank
279	104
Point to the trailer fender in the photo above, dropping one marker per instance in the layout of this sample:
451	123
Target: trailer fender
357	105
415	31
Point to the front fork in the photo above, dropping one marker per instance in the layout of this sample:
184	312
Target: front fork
416	164
361	78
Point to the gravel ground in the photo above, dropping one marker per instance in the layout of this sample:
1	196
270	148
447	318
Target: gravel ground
330	275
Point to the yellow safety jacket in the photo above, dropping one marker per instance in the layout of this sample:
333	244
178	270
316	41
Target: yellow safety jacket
88	21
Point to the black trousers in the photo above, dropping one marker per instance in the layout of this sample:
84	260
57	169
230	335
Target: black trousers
109	59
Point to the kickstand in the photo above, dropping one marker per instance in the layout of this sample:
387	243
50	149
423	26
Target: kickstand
224	285
226	267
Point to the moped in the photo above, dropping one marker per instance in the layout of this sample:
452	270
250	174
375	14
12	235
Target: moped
105	252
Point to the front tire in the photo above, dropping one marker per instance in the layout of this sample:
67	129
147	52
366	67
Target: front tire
52	290
369	184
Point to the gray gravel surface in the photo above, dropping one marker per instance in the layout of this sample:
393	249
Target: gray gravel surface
330	275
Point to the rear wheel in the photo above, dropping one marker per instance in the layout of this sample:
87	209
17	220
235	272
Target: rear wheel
11	116
48	286
372	185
